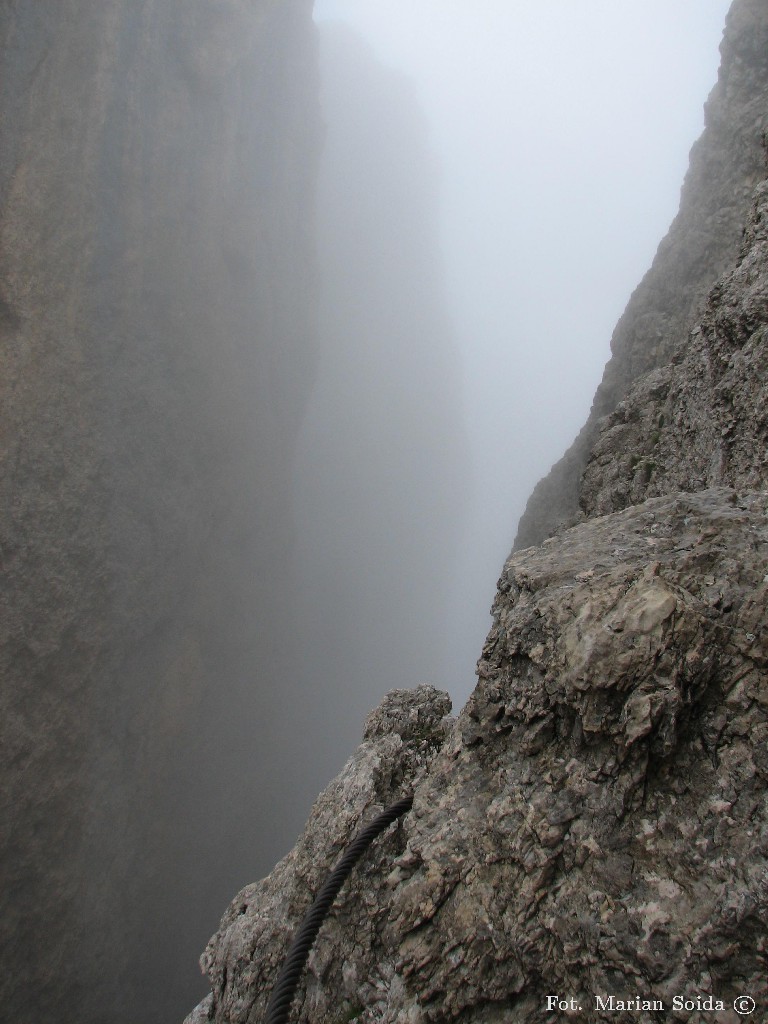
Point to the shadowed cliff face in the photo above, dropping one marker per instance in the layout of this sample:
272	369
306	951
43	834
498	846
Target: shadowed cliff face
157	172
381	480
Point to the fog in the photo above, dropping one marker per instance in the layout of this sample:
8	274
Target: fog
276	422
559	135
381	496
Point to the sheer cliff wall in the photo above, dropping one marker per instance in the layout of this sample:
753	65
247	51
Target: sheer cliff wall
157	172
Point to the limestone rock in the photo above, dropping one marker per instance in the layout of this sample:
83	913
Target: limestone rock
595	820
157	171
702	419
402	737
726	164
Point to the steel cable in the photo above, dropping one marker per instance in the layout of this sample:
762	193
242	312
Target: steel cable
287	981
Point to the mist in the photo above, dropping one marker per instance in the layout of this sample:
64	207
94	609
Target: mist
293	317
559	136
380	483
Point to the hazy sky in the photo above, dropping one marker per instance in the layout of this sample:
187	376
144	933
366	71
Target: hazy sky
562	130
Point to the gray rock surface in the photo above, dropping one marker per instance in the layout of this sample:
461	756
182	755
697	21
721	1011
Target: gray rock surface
726	164
401	739
702	419
157	174
594	822
161	333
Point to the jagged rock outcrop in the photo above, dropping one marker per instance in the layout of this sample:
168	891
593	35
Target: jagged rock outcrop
594	825
401	738
726	164
157	174
702	419
595	821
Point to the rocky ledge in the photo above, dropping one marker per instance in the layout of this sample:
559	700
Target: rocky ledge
594	822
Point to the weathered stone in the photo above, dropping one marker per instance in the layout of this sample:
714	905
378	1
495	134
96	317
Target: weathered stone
726	164
157	175
624	854
401	739
701	420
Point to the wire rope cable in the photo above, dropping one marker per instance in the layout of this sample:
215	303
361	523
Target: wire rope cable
285	986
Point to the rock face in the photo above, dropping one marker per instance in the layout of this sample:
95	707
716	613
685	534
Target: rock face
701	420
157	174
400	741
594	824
726	164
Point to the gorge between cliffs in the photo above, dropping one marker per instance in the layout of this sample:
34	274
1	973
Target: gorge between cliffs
235	511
